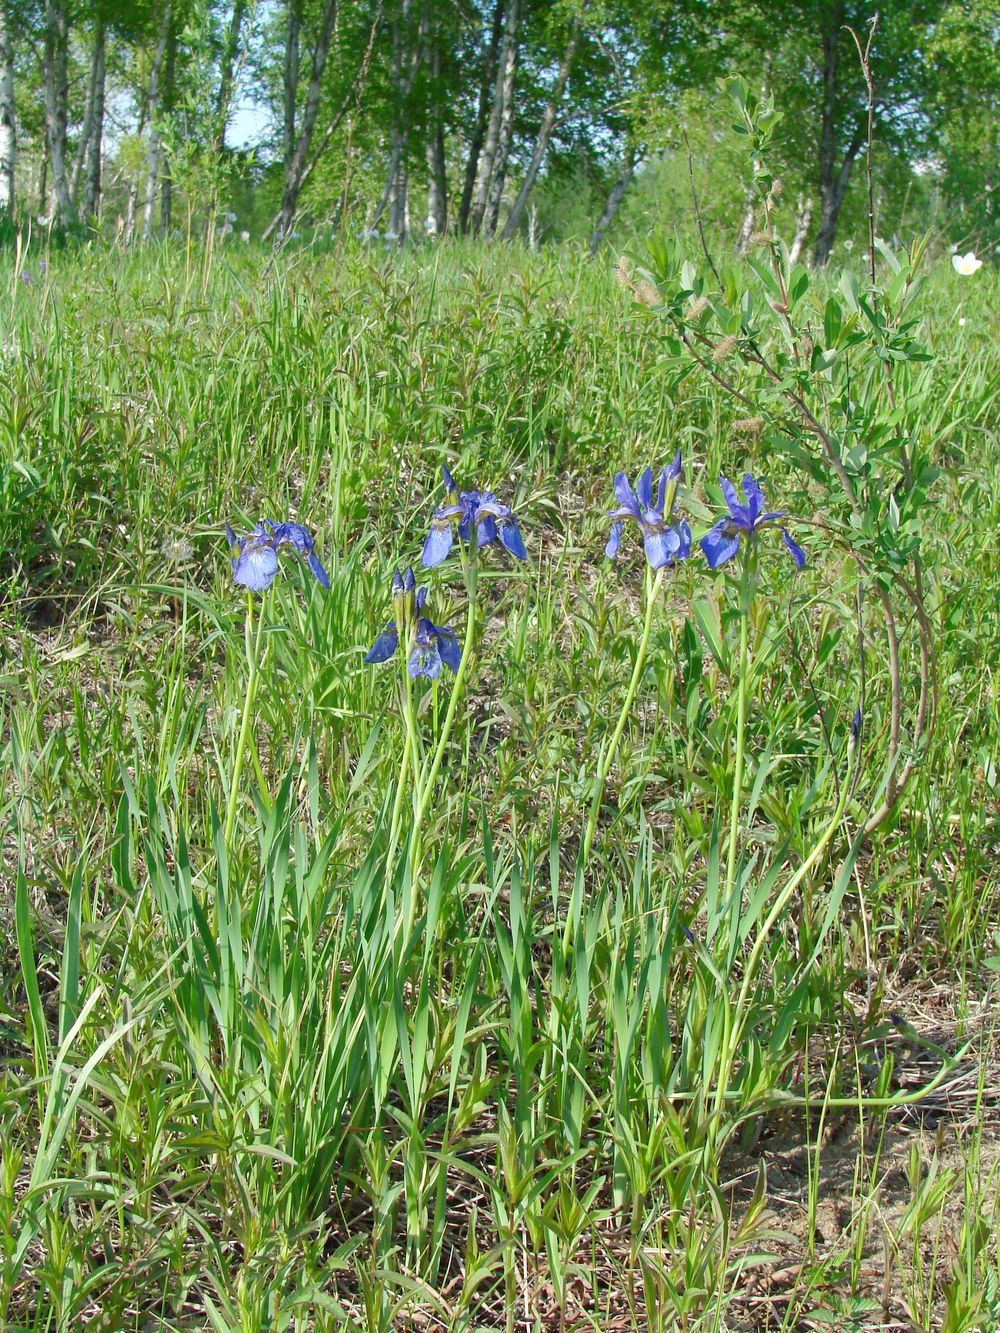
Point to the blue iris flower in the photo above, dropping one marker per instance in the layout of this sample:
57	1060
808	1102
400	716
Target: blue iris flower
665	540
434	645
256	563
469	512
743	521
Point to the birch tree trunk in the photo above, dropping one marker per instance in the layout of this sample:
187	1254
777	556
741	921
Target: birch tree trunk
168	102
437	175
803	221
92	173
90	115
405	64
482	112
833	180
834	193
746	226
505	76
56	98
227	66
290	79
491	143
544	131
295	162
437	184
8	133
153	102
614	202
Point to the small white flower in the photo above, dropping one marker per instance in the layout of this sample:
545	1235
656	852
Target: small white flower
961	321
966	264
230	217
848	246
954	249
245	237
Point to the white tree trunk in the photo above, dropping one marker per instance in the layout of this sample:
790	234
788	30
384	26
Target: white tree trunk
544	131
56	97
803	221
8	136
508	68
153	162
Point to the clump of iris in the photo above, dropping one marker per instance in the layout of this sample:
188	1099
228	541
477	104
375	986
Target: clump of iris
476	517
665	540
434	646
255	563
744	522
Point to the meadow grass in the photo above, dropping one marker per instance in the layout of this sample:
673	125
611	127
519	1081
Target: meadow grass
284	1079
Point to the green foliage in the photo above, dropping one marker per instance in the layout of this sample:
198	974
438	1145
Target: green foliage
266	1081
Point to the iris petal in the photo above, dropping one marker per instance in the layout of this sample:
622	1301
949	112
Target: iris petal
719	544
319	573
256	566
661	547
755	498
383	647
292	534
625	495
486	530
438	544
739	511
451	654
425	660
510	537
644	489
797	553
614	541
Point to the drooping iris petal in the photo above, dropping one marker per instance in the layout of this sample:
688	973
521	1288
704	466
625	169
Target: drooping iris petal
685	536
614	541
661	547
510	537
320	574
438	544
384	646
798	555
425	660
720	543
451	654
256	565
486	530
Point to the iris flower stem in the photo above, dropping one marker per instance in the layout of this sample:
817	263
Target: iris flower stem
741	718
252	640
733	1033
397	804
427	784
653	585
